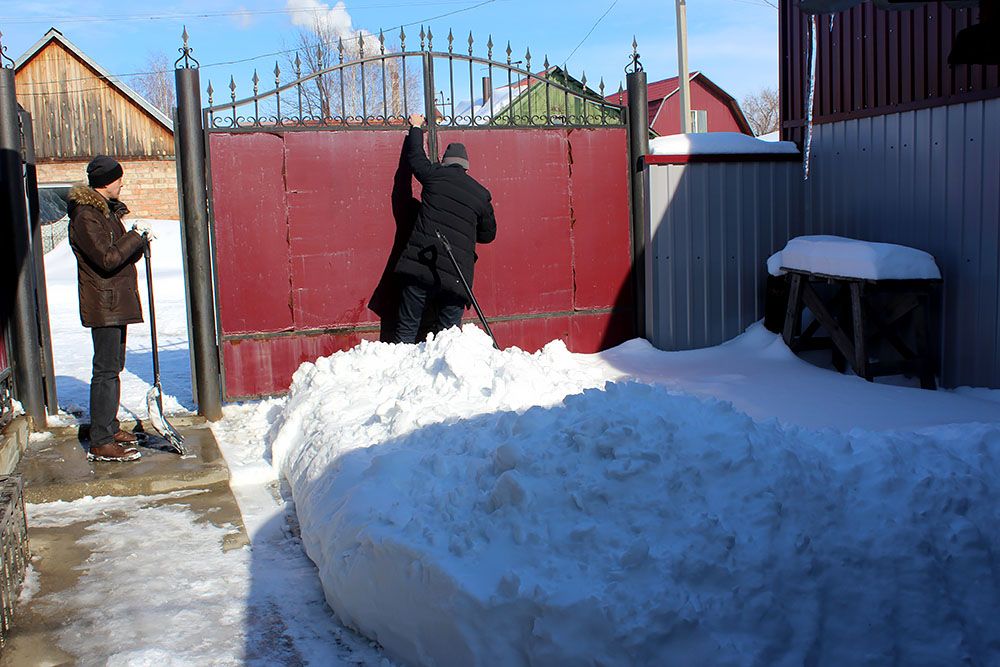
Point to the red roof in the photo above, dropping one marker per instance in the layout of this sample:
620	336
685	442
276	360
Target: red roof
656	91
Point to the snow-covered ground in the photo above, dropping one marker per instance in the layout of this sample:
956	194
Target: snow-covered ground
734	505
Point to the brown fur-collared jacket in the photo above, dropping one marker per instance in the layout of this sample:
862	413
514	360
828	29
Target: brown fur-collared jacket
105	255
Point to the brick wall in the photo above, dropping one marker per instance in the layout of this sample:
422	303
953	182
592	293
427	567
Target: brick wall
150	186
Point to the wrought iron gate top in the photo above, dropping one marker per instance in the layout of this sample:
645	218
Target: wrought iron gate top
371	87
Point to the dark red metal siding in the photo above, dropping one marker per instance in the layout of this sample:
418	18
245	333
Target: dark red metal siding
4	364
251	232
305	222
873	62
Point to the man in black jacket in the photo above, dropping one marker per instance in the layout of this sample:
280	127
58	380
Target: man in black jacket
455	204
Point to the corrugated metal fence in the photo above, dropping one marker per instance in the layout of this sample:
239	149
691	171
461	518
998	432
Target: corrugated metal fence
929	179
710	228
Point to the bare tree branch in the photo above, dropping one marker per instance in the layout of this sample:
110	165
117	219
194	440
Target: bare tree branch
762	109
156	84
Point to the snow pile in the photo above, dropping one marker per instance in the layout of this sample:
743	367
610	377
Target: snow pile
718	143
850	258
458	523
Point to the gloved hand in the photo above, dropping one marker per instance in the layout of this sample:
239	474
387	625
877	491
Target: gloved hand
144	228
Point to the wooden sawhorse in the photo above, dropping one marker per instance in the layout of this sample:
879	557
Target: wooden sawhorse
858	316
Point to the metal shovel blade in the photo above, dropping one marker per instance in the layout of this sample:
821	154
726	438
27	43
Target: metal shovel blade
154	405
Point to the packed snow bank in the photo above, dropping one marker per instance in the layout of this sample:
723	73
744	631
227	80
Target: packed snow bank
718	143
850	258
470	507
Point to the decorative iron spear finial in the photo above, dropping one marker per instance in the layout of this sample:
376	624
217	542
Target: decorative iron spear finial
422	36
601	87
470	42
277	75
232	88
185	52
509	51
298	66
489	48
634	64
430	39
361	44
210	92
381	42
319	56
451	41
340	49
527	59
4	56
546	63
402	39
256	81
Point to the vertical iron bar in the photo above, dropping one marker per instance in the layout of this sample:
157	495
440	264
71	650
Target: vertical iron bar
343	99
451	85
548	103
565	82
406	105
527	84
510	91
430	109
41	292
26	359
194	207
638	144
472	95
489	58
385	98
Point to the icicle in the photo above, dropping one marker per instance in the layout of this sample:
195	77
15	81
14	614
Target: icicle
812	95
832	17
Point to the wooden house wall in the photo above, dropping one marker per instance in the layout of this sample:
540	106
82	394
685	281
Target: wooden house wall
78	115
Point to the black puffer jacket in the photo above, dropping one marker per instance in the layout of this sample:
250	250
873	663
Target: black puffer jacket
105	255
453	203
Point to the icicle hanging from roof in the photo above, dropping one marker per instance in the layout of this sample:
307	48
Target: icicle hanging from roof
812	95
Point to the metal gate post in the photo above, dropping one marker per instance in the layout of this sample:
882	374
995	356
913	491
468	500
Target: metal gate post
190	162
638	147
41	290
430	109
14	216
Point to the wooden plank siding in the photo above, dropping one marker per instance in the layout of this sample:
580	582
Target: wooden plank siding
77	114
872	62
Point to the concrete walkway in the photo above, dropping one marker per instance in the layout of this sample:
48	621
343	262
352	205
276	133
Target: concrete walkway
57	469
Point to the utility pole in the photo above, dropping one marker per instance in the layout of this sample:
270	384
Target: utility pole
683	78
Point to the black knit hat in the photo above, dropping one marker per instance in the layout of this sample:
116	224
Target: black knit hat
103	171
456	154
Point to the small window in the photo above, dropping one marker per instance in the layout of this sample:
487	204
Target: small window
52	200
699	120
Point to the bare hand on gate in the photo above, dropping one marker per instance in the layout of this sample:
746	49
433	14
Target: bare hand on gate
416	120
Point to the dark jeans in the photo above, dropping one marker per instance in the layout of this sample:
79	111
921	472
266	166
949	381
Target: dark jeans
105	386
411	311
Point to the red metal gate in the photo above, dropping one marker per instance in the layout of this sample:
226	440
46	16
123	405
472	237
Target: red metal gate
307	209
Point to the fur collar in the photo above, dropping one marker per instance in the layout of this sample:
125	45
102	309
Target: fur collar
84	195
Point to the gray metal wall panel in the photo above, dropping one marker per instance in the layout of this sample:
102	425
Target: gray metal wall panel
928	179
710	229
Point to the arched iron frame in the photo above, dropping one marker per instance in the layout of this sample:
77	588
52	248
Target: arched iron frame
287	110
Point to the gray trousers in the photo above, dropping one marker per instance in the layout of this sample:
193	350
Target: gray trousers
105	385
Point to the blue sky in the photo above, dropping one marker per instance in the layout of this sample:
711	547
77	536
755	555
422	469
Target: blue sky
734	42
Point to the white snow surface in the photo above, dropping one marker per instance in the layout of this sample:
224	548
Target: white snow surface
72	346
718	143
466	506
851	258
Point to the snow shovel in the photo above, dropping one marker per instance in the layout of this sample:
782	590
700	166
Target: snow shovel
154	397
468	289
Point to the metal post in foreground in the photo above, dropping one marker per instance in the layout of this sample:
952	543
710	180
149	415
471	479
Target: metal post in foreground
430	108
638	147
26	359
194	217
683	76
38	253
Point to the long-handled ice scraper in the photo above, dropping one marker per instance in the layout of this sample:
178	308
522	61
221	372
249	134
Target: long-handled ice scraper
468	288
154	397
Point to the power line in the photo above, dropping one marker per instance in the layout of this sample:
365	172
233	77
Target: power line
203	15
592	28
251	58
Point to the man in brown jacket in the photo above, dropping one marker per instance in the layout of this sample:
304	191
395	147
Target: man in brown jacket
109	296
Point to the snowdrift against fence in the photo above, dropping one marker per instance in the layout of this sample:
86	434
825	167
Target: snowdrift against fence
472	507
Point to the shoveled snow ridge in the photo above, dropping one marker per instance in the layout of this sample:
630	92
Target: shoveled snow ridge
472	507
